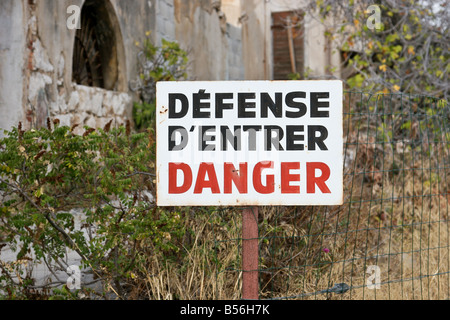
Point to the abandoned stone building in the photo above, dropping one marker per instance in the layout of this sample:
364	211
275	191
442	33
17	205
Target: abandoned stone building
75	59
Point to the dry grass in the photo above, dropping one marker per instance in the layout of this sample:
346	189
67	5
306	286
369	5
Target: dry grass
406	236
197	276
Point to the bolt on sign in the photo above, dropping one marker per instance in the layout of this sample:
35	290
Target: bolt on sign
248	143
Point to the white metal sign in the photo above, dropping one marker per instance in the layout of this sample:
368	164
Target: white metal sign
237	143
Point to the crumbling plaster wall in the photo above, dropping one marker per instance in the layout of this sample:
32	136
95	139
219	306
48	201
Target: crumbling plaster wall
232	9
164	21
36	48
36	66
53	43
12	51
236	69
202	29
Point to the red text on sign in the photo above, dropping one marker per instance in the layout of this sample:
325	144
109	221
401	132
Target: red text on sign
206	178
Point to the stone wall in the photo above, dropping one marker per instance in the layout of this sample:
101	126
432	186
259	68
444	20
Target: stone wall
257	41
36	49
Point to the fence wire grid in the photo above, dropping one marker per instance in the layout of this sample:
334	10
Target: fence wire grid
390	239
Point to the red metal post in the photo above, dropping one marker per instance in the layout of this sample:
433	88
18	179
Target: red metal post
250	286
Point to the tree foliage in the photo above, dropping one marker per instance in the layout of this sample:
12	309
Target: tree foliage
408	51
167	62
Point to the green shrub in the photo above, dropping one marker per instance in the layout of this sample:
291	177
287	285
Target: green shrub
109	175
167	62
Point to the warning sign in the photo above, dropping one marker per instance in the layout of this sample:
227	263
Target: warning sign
241	143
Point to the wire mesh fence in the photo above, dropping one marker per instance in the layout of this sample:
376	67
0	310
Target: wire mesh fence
391	237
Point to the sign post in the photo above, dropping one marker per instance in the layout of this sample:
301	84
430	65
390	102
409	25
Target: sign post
249	143
250	283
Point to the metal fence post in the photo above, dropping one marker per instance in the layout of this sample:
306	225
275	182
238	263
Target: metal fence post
250	286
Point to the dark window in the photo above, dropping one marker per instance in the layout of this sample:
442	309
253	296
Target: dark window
95	47
347	69
288	52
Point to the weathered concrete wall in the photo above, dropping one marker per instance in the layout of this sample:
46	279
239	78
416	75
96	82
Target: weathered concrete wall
256	40
12	59
232	10
201	29
236	67
164	20
36	50
134	20
38	53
